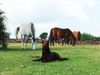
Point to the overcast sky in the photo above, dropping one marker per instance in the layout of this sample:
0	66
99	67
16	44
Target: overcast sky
77	15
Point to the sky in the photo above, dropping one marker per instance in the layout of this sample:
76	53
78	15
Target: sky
77	15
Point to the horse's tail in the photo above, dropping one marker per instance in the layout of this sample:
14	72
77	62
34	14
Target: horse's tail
17	30
50	36
79	35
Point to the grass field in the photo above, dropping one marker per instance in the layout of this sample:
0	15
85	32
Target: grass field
83	60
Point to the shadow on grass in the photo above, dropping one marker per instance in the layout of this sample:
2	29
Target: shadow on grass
39	60
30	49
19	49
61	48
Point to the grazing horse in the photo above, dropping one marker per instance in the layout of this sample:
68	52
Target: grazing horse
77	36
26	30
65	34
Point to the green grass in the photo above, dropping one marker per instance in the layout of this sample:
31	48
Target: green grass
83	60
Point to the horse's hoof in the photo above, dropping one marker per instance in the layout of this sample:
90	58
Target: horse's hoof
33	48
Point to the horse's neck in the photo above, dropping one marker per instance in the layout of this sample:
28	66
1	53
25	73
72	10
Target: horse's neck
46	50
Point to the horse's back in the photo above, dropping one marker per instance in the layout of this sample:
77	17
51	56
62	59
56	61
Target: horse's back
58	32
26	28
77	34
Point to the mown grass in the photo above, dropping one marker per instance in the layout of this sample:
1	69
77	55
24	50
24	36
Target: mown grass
83	60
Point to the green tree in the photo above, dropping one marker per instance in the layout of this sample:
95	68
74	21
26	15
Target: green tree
2	30
86	37
7	35
43	35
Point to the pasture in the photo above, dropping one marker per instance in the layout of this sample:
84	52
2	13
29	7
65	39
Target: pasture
82	60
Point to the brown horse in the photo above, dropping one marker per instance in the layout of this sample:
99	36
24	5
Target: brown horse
77	36
65	34
47	55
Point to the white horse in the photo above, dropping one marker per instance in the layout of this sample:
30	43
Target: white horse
25	31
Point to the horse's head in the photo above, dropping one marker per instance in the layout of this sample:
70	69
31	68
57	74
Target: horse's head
45	43
45	48
71	37
73	40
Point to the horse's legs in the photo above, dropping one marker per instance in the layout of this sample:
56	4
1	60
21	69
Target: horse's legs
23	41
62	41
52	43
58	41
77	41
33	44
26	40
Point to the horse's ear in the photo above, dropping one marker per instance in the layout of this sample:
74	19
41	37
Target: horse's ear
42	41
47	41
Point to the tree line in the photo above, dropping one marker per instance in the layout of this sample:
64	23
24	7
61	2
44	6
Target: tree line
3	33
86	37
